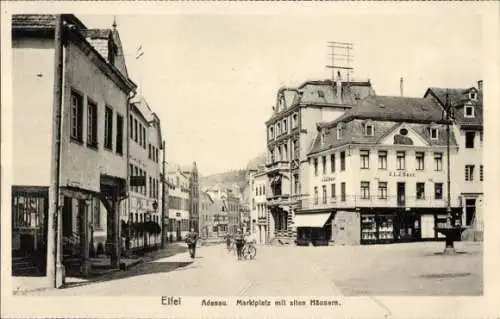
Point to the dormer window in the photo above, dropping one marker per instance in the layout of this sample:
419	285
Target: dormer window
369	129
473	96
281	105
434	132
322	137
340	131
469	111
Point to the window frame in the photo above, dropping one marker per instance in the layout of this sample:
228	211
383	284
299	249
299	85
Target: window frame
92	124
382	190
382	159
108	128
119	134
469	173
440	193
76	118
364	156
470	143
472	113
400	160
365	189
420	190
420	161
436	135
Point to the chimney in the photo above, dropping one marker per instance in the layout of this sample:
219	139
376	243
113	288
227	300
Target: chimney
401	86
480	85
339	85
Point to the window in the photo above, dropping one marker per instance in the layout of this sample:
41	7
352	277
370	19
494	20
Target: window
150	186
400	161
469	111
340	131
315	195
434	133
294	120
119	134
324	194
342	191
420	190
420	160
136	173
481	173
271	133
333	190
76	117
91	124
332	163
285	152
469	173
278	129
131	127
438	190
149	151
469	139
438	161
144	137
369	129
365	190
315	167
296	184
285	126
108	128
322	138
324	165
135	131
342	161
382	190
365	159
156	155
295	149
382	160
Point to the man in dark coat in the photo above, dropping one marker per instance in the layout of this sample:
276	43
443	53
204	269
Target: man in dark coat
191	239
240	242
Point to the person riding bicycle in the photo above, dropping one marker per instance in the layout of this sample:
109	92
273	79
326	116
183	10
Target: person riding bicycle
249	238
240	242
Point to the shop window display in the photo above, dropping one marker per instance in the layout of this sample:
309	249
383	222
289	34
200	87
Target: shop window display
368	228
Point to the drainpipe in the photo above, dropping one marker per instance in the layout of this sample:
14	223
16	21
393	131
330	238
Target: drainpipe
55	268
127	186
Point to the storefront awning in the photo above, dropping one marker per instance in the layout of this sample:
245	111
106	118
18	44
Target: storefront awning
311	220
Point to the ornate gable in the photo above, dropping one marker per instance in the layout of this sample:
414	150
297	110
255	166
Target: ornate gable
403	135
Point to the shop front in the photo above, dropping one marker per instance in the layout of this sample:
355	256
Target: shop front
377	227
314	228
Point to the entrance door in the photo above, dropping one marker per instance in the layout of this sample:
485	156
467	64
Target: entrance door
470	211
401	194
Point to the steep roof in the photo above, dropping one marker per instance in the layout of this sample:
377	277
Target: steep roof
387	113
325	92
42	21
458	98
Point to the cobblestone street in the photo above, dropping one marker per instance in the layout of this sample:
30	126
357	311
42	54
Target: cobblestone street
402	269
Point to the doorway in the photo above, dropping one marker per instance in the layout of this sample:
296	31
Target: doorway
470	211
401	194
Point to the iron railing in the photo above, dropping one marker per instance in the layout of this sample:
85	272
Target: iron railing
350	201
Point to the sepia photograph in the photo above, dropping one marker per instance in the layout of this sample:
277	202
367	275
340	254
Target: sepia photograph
249	161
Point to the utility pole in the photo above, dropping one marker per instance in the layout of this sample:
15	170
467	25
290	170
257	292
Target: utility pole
163	204
55	269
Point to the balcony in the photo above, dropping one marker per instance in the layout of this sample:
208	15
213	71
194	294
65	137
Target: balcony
354	201
283	199
262	220
277	166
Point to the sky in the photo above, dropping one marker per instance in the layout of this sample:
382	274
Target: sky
213	79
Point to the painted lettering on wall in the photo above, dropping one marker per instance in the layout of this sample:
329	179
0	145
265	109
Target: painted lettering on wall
401	174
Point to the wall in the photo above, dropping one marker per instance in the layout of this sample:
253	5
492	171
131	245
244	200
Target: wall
82	166
33	80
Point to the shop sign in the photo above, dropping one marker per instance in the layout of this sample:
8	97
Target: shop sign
401	174
328	179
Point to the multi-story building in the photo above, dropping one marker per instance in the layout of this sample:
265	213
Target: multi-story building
194	199
178	205
209	212
144	201
467	106
221	212
92	172
229	219
290	131
379	174
258	204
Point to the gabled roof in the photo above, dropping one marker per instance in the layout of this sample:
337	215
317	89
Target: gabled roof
42	21
458	98
394	108
386	113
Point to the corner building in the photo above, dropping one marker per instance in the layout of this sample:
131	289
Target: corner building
467	106
290	132
379	174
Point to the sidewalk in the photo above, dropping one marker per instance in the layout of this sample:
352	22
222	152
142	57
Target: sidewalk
101	269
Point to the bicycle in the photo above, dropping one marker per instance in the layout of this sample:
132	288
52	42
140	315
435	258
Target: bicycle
249	251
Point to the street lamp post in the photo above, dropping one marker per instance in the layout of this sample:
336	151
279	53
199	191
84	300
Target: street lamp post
452	231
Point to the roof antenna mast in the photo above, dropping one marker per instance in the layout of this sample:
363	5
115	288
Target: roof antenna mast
341	57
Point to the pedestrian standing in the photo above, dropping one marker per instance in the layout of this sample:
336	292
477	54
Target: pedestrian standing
191	239
240	242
